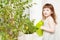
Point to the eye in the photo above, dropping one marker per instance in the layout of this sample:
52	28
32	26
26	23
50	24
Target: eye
47	10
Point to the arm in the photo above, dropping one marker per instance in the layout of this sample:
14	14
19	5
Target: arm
48	30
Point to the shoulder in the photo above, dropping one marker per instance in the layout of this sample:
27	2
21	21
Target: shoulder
51	21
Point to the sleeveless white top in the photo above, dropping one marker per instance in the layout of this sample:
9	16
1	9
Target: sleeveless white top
47	35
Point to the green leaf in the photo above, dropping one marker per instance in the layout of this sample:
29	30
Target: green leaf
38	26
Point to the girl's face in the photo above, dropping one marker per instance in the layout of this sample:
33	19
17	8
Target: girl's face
47	12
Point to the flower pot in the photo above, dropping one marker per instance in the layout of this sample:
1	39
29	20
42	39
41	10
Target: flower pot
25	37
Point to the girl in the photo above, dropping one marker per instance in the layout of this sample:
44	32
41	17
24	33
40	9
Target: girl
49	18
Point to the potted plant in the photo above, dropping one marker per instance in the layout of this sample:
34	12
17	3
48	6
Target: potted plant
12	20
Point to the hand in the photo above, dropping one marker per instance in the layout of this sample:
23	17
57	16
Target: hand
42	28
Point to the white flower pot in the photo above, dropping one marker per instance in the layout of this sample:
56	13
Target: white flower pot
29	37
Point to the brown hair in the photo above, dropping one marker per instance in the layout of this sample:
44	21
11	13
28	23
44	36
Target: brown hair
50	6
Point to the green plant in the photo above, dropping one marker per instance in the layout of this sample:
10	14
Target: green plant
12	19
39	31
29	27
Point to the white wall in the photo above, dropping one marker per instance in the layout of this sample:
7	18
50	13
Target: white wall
35	11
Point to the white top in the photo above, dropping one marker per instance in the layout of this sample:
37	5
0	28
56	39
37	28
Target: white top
47	35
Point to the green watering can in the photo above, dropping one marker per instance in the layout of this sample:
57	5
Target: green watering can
38	26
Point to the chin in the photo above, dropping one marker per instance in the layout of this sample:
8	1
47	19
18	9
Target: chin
46	15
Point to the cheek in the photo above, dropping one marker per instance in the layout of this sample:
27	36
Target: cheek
46	13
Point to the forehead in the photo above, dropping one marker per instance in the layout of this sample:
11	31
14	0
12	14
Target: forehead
46	8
